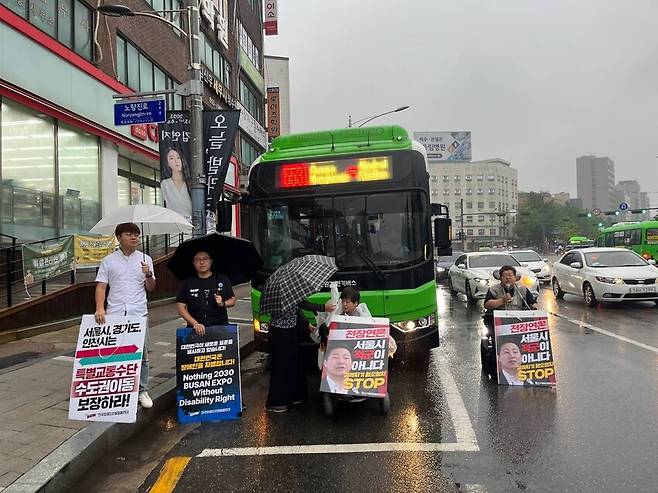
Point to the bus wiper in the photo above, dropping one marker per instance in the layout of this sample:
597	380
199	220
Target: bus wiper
361	252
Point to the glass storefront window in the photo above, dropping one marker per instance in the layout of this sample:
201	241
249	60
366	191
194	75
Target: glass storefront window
28	148
123	188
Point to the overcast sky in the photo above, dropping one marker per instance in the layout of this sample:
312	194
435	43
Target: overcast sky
538	82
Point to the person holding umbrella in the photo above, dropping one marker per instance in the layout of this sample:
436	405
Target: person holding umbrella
204	297
129	274
284	296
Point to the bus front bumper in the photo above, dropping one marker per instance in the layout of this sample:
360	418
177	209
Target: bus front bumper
409	342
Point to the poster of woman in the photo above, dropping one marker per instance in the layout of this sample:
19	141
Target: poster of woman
175	183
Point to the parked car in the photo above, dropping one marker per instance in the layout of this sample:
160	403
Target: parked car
472	274
605	274
442	265
533	261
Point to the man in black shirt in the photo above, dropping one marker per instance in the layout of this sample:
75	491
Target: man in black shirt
203	299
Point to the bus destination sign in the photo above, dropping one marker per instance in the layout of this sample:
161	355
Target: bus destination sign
295	175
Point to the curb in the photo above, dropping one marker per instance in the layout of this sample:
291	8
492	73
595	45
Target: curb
64	466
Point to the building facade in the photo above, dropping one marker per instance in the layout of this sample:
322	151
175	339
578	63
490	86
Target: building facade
632	194
595	182
482	198
277	78
63	162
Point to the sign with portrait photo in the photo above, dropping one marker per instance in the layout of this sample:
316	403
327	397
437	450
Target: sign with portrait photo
356	357
524	353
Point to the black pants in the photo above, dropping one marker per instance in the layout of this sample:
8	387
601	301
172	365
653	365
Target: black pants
287	377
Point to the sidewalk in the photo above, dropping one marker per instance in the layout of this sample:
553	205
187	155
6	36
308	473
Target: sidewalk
34	397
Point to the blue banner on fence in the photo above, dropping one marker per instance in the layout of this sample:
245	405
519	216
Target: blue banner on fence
208	374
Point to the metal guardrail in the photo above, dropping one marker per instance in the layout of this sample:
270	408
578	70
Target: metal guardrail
12	280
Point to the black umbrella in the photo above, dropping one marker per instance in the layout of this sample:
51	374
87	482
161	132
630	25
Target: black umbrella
233	257
294	281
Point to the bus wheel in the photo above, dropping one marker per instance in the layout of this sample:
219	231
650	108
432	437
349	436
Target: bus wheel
469	295
590	297
328	403
451	289
557	292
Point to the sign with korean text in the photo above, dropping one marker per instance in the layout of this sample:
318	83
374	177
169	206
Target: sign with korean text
140	111
524	353
90	250
252	128
446	146
273	113
271	22
219	130
46	260
106	369
356	357
208	374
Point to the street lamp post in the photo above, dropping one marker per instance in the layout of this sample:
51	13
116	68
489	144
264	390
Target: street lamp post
193	89
370	118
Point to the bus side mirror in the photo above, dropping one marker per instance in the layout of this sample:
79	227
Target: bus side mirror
443	236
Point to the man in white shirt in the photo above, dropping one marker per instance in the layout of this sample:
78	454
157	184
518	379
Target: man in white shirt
129	273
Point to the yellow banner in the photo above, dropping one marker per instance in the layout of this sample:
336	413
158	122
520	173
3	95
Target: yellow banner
90	250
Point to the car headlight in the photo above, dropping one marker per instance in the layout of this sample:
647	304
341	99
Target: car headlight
610	280
440	269
482	281
528	281
419	323
261	326
545	269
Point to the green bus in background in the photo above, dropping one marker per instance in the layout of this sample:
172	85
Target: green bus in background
360	195
641	237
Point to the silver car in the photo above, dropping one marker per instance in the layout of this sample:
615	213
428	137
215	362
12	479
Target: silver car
472	274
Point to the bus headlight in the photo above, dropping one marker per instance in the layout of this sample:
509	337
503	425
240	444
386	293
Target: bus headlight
419	323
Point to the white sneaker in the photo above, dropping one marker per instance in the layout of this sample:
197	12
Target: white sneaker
145	400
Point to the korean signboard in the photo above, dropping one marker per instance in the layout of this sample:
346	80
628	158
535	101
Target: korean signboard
271	22
273	113
43	261
356	357
446	146
90	250
208	374
106	370
219	129
524	353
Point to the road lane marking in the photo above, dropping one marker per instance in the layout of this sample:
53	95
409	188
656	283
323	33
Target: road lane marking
460	420
68	359
169	355
241	320
163	343
170	475
607	333
340	448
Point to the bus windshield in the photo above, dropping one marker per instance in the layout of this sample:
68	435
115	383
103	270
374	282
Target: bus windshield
385	228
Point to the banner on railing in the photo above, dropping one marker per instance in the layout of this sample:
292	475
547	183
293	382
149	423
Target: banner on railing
90	250
44	261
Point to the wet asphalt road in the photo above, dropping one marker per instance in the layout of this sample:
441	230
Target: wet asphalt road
597	431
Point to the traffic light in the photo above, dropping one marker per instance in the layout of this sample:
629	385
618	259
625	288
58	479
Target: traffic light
589	214
638	211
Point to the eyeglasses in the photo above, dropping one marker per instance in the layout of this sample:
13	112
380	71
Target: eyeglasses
200	259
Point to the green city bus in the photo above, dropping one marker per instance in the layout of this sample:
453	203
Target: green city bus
360	195
641	237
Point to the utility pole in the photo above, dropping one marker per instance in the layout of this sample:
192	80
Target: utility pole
461	221
196	125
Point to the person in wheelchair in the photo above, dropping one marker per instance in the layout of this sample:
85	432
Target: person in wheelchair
508	295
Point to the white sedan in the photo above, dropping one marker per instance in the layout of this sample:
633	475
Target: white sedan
605	274
533	261
472	274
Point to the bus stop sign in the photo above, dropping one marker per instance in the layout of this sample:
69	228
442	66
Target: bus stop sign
140	111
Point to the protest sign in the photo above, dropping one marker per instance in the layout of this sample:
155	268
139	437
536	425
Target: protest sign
524	353
106	369
208	374
90	250
356	358
45	260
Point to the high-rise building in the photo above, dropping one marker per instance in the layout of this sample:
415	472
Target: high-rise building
488	191
595	181
635	197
